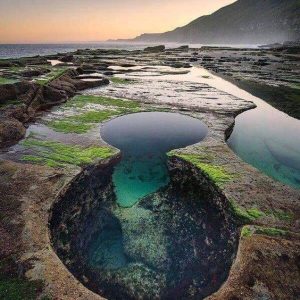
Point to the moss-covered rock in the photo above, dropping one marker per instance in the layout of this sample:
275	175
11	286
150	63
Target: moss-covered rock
55	154
218	174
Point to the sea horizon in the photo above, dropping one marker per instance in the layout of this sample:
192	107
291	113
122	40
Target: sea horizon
17	50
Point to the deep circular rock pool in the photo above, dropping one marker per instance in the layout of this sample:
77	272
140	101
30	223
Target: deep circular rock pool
144	227
144	140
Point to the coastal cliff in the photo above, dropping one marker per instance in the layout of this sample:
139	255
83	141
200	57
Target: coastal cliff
243	22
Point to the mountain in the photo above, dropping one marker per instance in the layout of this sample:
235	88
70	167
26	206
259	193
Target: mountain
243	22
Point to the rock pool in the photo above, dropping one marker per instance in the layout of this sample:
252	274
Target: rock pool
144	139
145	227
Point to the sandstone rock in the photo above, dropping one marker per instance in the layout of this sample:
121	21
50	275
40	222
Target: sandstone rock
36	98
12	91
6	64
67	58
11	131
160	48
108	73
7	92
36	72
65	86
87	68
47	96
179	65
54	96
18	112
82	85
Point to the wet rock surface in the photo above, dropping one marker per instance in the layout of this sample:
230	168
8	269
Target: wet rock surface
36	170
265	73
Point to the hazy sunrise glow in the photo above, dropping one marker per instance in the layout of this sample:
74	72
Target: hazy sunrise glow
38	21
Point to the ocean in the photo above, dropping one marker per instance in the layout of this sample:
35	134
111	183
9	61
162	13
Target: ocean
27	50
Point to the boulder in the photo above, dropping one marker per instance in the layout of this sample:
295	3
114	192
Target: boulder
82	85
159	48
54	96
11	131
46	97
35	72
88	68
67	58
6	64
108	73
12	91
18	112
7	92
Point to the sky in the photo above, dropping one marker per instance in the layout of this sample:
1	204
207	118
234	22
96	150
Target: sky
44	21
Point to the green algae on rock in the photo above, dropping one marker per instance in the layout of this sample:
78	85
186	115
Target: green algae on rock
19	289
281	215
86	117
55	154
4	80
218	174
83	122
245	215
54	74
246	231
80	101
249	230
69	127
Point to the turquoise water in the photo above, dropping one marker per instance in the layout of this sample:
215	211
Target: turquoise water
270	141
107	249
144	139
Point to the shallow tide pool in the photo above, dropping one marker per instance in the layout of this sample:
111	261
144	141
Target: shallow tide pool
264	137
